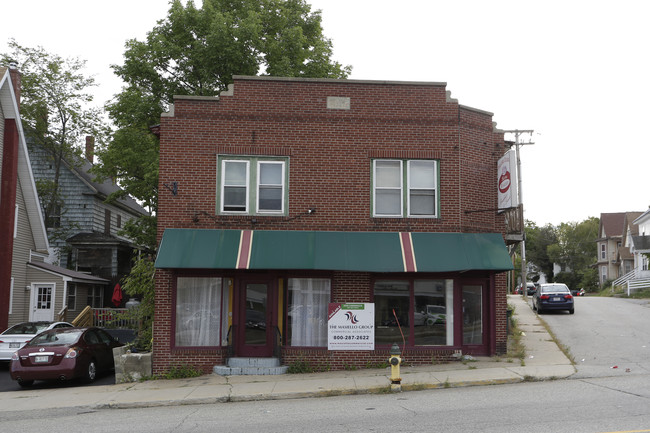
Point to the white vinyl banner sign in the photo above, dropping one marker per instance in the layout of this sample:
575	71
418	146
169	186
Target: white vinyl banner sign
351	326
507	181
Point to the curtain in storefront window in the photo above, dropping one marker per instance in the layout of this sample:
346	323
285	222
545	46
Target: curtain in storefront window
308	301
198	306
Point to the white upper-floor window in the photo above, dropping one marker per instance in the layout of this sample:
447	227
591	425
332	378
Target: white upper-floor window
405	188
252	185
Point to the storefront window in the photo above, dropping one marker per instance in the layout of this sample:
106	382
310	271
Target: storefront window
392	300
307	311
198	311
433	312
423	309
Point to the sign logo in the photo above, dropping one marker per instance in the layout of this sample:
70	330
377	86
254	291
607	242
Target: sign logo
352	318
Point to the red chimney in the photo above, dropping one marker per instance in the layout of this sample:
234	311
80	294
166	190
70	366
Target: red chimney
15	80
90	148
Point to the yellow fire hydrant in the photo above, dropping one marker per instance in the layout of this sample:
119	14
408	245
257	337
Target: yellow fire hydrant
395	360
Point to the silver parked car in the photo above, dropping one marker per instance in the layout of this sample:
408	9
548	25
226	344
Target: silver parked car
18	335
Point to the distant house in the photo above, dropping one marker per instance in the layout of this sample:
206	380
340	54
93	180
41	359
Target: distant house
30	288
640	247
625	257
610	238
92	242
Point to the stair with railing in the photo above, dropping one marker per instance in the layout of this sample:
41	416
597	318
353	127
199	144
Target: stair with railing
637	284
622	280
632	282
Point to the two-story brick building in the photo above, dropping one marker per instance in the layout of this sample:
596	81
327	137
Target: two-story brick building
284	195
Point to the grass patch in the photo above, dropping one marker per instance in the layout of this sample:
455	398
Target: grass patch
181	372
300	366
516	348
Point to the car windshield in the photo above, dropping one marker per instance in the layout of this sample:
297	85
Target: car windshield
55	338
555	288
27	328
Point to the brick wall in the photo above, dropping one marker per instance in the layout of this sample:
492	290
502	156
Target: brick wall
330	153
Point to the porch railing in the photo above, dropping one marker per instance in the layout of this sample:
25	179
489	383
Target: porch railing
112	318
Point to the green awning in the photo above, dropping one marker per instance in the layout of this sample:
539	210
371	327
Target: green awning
336	251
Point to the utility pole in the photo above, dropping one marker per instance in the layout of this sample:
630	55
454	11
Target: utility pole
517	133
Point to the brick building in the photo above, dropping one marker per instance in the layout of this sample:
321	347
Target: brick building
284	195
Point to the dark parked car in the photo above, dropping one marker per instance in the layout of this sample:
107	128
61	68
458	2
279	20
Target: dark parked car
530	289
64	354
556	296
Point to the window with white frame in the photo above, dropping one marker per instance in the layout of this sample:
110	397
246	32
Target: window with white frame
405	188
72	297
252	185
198	311
307	311
603	253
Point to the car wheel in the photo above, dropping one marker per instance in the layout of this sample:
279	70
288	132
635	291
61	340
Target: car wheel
91	372
571	311
25	383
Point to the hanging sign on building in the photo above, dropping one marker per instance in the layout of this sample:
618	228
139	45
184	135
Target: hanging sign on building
351	326
507	181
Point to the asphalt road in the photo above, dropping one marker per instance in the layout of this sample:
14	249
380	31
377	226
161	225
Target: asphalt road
612	404
606	336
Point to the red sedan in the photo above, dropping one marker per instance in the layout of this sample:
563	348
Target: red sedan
64	354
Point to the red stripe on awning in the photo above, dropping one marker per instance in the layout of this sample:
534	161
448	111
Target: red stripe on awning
408	255
245	245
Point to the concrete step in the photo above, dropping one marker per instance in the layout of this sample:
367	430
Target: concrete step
250	366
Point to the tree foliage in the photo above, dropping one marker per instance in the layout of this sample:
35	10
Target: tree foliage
537	241
196	51
56	112
140	283
570	245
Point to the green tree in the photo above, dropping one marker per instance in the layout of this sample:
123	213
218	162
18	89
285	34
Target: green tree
196	51
140	283
575	250
537	241
56	114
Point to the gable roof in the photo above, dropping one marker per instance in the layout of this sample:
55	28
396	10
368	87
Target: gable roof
25	176
68	274
642	216
611	225
105	188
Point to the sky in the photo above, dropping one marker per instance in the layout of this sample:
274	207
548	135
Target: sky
575	72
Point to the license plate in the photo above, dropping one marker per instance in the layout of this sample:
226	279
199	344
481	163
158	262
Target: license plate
14	345
40	359
557	299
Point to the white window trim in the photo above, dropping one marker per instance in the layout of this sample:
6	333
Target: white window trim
259	184
223	186
16	222
375	188
408	189
11	295
405	188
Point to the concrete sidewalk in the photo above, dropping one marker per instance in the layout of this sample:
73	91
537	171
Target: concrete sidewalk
543	361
